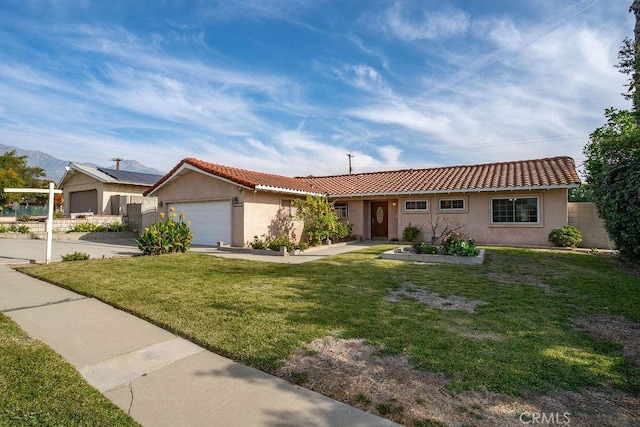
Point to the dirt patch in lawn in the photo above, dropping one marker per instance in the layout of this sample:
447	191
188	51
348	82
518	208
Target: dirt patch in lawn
616	329
353	372
433	300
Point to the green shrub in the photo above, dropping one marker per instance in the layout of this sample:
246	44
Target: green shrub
458	244
23	218
462	249
425	248
90	227
320	219
24	229
258	243
116	226
76	256
453	238
58	214
302	246
86	227
168	236
566	236
410	233
276	242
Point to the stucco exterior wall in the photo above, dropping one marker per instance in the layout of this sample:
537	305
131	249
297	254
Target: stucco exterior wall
356	217
584	216
197	187
110	190
251	215
476	216
81	182
260	214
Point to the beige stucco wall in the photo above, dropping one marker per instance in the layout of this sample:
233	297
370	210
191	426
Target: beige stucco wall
584	216
476	218
260	212
82	182
251	216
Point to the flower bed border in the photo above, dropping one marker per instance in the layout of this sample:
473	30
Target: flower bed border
401	255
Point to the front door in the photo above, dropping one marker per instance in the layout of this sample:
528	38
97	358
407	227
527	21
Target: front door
379	220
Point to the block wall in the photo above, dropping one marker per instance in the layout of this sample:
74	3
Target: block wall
584	216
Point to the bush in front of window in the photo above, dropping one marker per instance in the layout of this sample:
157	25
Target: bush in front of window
567	236
410	233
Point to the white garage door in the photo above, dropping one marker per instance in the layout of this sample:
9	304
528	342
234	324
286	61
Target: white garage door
210	221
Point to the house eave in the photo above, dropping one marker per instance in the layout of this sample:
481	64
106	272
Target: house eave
452	191
287	190
186	166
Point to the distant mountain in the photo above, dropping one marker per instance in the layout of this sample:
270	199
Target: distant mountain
54	168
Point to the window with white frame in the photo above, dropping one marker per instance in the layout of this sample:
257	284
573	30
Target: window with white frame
521	210
342	210
416	205
452	204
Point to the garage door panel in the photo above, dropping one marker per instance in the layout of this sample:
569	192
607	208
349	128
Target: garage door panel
210	221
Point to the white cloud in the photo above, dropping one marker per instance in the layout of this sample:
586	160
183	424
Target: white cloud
415	23
362	77
401	114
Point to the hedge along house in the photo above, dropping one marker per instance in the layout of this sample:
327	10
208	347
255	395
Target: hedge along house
102	191
511	203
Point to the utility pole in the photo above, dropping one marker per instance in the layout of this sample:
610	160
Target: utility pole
350	168
117	160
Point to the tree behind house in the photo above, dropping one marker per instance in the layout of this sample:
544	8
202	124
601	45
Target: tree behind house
613	158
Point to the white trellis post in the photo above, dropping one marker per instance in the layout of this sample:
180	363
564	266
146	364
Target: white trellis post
51	192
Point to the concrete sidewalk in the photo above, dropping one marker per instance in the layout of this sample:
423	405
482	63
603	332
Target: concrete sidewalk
159	378
16	251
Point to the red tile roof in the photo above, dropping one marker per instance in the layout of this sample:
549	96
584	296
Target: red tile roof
525	174
243	177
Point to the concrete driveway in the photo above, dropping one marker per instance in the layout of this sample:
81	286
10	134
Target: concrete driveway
19	251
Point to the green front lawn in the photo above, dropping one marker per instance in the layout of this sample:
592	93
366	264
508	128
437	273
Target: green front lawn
257	313
39	388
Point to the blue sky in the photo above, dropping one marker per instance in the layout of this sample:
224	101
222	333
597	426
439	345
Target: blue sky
292	86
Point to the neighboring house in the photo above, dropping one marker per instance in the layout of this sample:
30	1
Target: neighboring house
512	203
102	191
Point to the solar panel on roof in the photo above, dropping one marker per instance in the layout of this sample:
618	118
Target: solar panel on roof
133	177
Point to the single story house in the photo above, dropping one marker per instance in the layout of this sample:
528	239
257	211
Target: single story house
102	191
511	203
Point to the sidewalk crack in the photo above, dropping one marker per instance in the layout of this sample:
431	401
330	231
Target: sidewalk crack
131	402
62	301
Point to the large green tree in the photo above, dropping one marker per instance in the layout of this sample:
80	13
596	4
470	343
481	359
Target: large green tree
613	173
613	157
15	173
